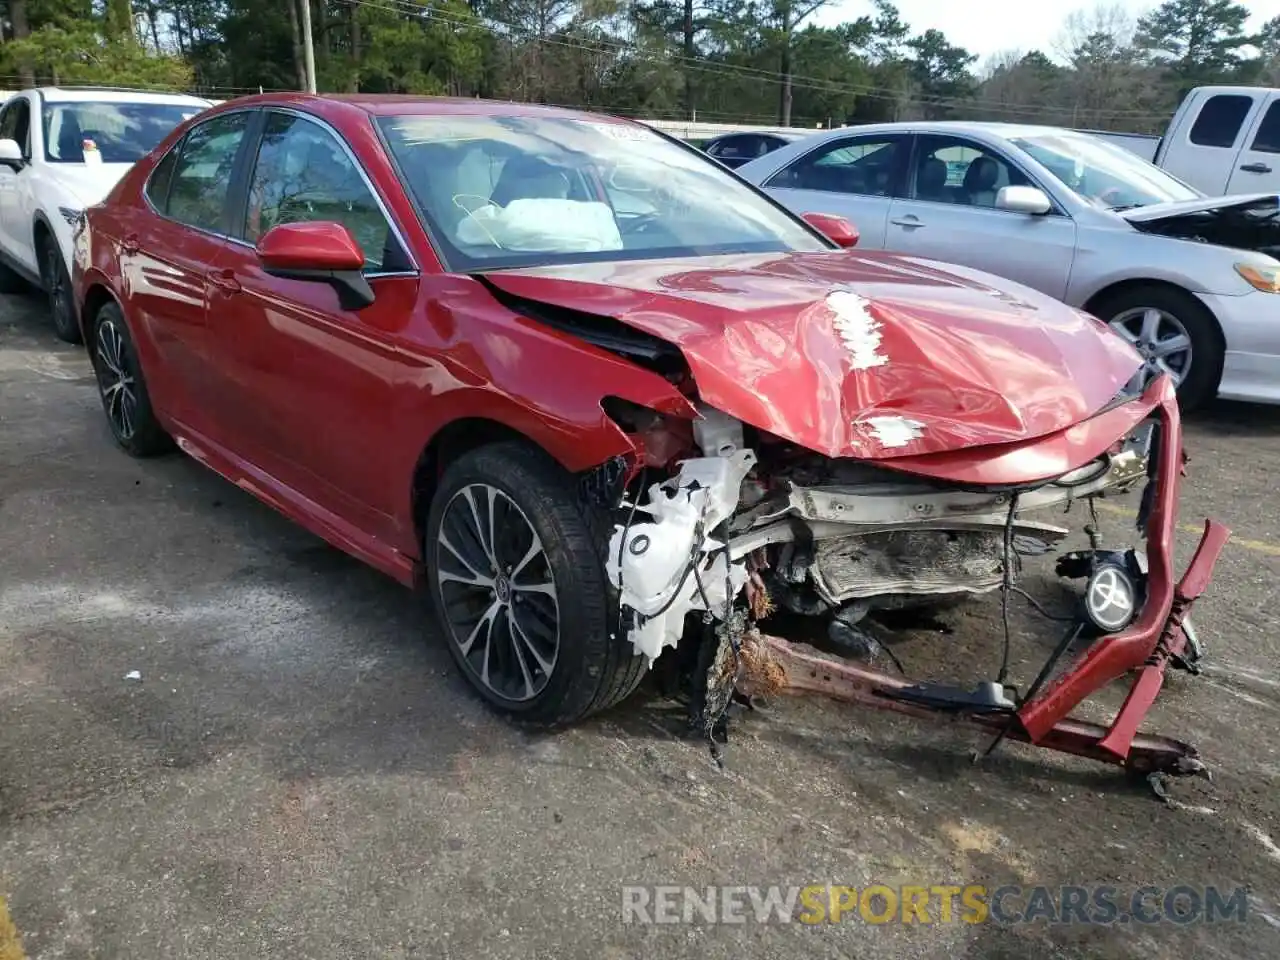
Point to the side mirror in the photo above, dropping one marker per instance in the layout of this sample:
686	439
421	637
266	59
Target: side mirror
323	251
11	155
836	229
1030	200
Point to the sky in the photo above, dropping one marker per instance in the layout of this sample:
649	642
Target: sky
986	27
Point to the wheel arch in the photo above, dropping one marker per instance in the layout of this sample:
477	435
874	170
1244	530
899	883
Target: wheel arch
588	440
1119	287
96	296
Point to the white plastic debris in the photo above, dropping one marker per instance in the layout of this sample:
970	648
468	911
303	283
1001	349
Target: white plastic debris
133	675
659	556
717	434
894	431
858	329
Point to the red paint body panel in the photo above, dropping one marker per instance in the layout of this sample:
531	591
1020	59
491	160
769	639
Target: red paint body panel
972	364
310	246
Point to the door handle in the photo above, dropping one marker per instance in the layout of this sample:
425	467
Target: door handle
225	281
1256	168
130	244
911	222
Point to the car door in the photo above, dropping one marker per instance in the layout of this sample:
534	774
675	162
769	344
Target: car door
854	177
16	222
1257	168
1204	151
307	383
167	251
949	213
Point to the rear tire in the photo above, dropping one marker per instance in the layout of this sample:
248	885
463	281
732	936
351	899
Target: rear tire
123	388
1130	313
57	286
515	566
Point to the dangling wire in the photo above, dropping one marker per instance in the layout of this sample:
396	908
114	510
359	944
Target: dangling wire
1007	588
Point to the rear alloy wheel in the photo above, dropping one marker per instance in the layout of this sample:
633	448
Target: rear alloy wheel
1174	333
122	388
57	285
517	578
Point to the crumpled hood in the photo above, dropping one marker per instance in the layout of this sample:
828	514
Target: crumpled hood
857	355
88	184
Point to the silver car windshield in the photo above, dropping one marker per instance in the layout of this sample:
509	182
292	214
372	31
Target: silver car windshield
506	191
1102	173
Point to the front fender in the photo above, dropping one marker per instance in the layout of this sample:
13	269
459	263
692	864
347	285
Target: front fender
539	382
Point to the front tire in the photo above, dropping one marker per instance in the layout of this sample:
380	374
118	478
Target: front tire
123	389
1174	332
57	285
516	572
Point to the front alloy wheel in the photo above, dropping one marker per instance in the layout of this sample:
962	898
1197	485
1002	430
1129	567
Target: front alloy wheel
515	563
1174	333
499	592
1160	339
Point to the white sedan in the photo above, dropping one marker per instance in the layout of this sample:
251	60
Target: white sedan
1191	281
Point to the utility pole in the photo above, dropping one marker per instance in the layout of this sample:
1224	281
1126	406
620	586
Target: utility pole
308	49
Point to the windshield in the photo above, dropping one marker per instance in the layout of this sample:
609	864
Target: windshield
1104	174
516	191
123	132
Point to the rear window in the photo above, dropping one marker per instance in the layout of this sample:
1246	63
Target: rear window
1220	120
124	132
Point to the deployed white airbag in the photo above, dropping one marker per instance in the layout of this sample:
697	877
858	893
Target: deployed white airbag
542	225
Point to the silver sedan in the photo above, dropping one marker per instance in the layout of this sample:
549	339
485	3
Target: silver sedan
1191	281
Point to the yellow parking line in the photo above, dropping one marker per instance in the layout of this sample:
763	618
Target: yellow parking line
1257	546
10	942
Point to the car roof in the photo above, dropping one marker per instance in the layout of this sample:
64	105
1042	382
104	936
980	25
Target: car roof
115	95
992	128
403	104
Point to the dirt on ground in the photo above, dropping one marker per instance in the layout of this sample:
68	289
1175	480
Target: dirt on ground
220	737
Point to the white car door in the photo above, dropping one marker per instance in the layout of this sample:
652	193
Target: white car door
853	177
948	213
1257	168
15	186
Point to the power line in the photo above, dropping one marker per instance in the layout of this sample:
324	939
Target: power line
491	25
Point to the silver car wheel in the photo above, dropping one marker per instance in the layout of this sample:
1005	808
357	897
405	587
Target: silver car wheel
1160	338
498	591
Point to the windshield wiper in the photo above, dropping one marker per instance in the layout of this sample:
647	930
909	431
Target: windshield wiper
1121	207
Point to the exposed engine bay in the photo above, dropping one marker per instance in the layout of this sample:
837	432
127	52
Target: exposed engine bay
726	526
819	537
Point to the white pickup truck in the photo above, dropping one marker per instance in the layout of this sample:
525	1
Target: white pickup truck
1222	141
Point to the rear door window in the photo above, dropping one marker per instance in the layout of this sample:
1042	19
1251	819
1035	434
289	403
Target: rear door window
202	176
1220	120
869	167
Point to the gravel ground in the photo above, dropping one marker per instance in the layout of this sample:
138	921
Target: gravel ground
299	772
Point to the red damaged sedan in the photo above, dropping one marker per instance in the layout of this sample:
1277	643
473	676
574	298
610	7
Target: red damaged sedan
603	398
